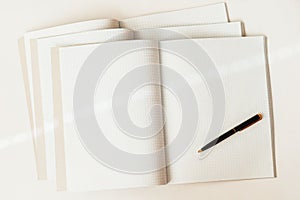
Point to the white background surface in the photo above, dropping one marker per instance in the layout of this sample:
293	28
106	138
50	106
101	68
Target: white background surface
277	19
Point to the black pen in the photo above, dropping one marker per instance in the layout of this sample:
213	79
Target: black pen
231	132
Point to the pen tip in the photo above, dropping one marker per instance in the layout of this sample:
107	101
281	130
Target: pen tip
200	150
260	116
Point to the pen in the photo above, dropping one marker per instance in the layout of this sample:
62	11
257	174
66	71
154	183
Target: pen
231	132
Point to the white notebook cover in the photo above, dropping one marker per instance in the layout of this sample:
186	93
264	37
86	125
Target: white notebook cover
210	14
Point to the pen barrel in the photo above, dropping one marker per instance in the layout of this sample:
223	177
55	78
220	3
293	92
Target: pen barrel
229	133
248	122
219	139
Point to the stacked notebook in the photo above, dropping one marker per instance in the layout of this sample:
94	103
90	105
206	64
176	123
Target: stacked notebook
177	79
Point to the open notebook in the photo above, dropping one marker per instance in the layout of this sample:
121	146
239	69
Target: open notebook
41	65
87	92
194	16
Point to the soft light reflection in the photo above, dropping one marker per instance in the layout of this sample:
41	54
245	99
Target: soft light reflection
14	140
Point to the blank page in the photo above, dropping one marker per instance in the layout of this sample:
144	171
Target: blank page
77	167
242	68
